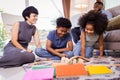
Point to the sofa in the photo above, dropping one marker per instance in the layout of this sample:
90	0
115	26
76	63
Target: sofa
112	34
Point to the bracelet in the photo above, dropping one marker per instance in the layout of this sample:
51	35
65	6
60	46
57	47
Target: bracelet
23	50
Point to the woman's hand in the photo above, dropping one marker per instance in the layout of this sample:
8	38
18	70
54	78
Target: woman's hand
29	50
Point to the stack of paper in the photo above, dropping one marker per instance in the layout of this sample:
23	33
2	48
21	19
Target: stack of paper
39	74
70	70
98	69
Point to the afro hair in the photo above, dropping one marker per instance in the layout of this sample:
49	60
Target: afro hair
97	19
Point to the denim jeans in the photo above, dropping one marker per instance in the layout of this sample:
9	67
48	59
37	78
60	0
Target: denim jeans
77	50
76	32
44	53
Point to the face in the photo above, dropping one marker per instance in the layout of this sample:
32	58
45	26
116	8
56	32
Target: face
61	31
89	29
32	18
100	7
97	7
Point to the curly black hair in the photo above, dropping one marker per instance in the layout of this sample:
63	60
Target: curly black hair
63	22
27	11
97	19
99	3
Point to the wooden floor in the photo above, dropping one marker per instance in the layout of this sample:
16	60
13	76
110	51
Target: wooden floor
16	73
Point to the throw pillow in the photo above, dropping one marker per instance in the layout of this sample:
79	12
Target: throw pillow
115	11
114	23
112	36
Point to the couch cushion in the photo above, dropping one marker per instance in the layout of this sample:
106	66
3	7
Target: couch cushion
115	11
112	36
114	23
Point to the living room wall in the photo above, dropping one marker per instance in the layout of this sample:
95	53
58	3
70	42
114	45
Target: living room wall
111	3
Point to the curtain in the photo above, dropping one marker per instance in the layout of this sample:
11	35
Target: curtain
66	8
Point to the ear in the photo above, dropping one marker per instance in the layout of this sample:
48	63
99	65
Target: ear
27	17
69	29
57	27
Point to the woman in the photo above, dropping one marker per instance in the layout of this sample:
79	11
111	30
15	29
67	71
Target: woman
16	52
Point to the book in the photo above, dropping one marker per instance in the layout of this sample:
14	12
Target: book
98	69
35	67
70	70
39	74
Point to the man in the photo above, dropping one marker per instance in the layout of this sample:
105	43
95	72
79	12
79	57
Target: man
98	6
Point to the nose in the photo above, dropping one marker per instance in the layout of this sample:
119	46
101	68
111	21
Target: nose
63	33
89	32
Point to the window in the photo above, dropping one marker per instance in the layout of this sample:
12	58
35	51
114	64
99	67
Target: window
49	11
9	6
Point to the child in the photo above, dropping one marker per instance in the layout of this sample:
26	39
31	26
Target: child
59	42
93	25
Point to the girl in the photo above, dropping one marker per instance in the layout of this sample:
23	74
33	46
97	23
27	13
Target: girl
93	25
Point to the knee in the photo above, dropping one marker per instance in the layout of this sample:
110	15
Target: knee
70	54
38	51
32	58
88	55
25	58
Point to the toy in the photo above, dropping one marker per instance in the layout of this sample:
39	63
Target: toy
74	60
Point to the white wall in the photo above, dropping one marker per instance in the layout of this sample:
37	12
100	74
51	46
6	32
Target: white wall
111	3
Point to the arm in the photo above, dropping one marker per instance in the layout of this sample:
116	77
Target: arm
69	48
48	47
14	36
36	39
101	45
83	43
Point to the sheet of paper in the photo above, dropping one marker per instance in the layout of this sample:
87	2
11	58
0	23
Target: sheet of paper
39	74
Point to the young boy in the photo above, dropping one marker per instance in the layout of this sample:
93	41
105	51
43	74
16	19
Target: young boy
59	42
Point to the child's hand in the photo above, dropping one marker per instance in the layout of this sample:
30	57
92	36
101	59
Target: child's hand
56	50
63	55
100	56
